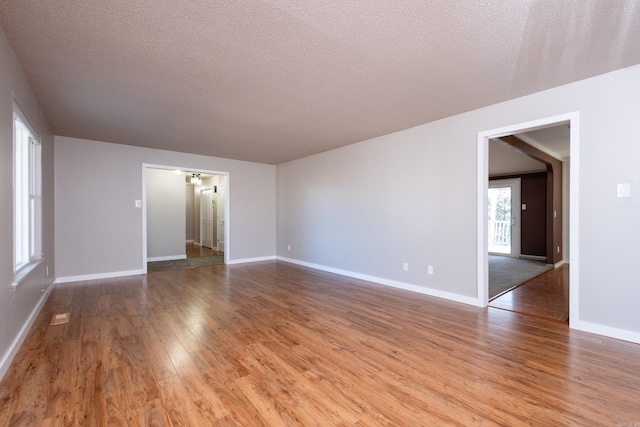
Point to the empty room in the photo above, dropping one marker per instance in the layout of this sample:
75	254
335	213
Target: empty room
269	213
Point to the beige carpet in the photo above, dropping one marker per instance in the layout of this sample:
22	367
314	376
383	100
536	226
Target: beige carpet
506	272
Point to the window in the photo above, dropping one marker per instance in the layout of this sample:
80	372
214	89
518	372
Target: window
27	193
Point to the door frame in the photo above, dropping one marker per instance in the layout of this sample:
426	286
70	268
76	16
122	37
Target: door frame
227	210
515	185
573	119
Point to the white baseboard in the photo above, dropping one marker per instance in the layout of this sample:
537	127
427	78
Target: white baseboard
246	260
392	283
594	328
559	263
109	275
189	240
166	258
24	331
608	331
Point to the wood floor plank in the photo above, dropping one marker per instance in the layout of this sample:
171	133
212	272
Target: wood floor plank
195	251
545	296
274	344
312	408
152	414
181	410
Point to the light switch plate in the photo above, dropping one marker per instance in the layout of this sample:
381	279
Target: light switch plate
624	190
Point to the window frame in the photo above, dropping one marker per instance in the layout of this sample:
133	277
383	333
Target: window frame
27	196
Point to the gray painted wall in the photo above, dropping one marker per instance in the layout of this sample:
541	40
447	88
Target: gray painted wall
411	197
166	214
101	209
18	308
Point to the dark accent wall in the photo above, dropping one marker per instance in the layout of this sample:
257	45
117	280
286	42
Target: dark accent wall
533	221
554	195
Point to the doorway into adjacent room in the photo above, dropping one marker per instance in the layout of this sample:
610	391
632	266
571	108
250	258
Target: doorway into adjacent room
200	232
543	288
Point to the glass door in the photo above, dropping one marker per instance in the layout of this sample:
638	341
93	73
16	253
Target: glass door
504	217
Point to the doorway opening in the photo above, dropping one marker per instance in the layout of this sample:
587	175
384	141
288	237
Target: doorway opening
570	221
191	244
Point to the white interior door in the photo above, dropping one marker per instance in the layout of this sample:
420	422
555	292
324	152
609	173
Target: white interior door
206	218
504	217
220	217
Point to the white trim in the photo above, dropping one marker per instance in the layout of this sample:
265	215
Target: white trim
608	331
559	263
227	207
574	220
21	276
166	258
110	275
32	188
392	283
144	218
247	260
482	180
24	331
482	238
18	110
189	241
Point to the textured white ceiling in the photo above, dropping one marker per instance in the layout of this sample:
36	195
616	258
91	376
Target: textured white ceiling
275	80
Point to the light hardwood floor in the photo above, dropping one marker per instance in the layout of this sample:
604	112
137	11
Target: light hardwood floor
545	296
276	344
195	251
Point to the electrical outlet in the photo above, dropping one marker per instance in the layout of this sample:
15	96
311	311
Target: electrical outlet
430	270
405	266
288	247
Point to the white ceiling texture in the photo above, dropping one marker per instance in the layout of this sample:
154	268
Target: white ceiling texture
276	80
